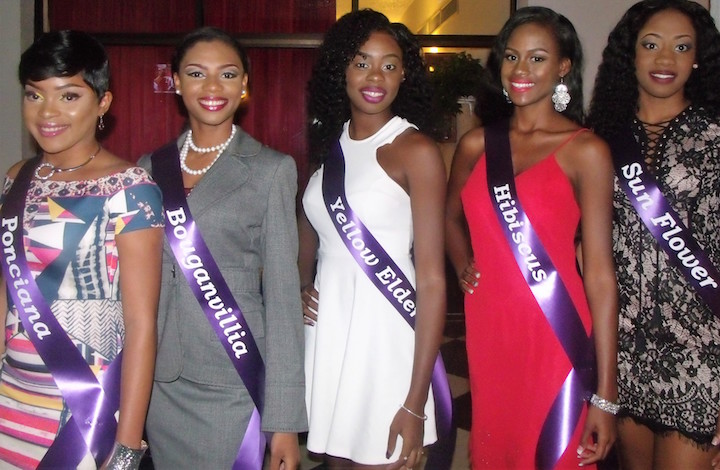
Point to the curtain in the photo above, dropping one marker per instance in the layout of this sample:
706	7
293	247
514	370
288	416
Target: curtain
141	120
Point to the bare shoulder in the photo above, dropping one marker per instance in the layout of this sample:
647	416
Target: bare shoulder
587	145
114	164
415	144
586	156
15	169
469	150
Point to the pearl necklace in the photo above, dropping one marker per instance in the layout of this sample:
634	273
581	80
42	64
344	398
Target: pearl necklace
52	169
189	144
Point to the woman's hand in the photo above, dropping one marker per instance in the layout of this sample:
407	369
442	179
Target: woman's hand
716	442
603	425
310	298
284	451
410	427
468	279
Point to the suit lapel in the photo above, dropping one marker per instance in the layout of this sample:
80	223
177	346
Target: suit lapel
228	174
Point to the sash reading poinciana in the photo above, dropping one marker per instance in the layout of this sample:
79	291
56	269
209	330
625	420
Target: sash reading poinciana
93	406
212	293
549	292
394	285
662	221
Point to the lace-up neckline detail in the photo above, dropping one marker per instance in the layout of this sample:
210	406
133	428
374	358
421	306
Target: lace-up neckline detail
653	132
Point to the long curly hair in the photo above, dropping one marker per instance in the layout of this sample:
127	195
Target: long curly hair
328	104
615	96
492	105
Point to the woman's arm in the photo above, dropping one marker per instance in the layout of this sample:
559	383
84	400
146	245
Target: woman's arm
306	266
3	314
590	168
424	179
457	243
140	254
284	413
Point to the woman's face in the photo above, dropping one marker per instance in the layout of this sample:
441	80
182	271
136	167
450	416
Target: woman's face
664	55
61	113
212	82
532	65
374	75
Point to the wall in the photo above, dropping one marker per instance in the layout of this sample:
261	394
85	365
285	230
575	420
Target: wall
16	34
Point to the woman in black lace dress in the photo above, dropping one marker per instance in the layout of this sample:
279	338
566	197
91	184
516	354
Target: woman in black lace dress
659	76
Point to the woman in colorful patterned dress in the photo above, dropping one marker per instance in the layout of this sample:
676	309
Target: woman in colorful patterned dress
658	82
519	364
92	234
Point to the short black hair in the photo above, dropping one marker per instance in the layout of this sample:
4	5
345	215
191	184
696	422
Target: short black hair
208	34
65	54
492	105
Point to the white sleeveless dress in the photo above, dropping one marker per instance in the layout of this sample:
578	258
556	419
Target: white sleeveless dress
359	354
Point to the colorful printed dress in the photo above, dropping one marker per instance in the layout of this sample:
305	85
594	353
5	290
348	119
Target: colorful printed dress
69	235
669	340
517	365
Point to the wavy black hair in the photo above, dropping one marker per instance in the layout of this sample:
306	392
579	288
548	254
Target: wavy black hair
492	105
615	97
208	34
65	54
328	104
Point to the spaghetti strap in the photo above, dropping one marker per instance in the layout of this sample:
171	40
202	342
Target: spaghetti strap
569	139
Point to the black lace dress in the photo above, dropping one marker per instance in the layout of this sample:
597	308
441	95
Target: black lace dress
669	340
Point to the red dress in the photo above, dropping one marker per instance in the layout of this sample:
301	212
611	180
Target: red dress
517	365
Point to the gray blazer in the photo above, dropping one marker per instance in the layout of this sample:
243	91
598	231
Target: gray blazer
245	209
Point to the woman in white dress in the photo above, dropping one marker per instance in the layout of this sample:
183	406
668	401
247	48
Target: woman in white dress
368	372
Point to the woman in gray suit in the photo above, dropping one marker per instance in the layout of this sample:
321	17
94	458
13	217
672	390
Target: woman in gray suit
229	303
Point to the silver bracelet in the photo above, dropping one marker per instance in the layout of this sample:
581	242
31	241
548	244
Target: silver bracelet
605	405
422	417
125	458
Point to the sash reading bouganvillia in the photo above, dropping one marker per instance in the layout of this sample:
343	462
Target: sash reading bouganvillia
394	285
549	292
93	425
662	221
213	294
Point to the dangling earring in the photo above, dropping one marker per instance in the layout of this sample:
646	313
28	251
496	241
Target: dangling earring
507	97
101	123
561	97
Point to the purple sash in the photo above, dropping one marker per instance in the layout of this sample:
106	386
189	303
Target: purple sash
389	279
663	222
213	294
93	425
549	292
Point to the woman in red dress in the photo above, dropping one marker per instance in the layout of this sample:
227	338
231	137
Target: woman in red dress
562	172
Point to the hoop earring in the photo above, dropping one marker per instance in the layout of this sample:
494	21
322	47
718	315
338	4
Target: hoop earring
507	97
561	97
101	123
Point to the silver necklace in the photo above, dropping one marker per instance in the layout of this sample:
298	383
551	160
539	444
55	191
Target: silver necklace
52	169
189	144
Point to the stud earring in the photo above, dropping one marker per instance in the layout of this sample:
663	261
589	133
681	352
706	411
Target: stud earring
177	92
505	94
695	66
561	97
101	123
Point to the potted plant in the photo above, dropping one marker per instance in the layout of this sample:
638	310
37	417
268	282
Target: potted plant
456	77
